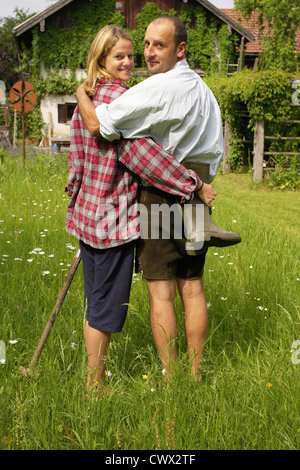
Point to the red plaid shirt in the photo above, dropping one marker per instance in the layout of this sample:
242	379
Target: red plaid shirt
104	179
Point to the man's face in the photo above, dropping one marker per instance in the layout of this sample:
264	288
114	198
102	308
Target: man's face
160	51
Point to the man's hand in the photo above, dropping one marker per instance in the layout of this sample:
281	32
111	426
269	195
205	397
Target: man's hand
206	193
87	111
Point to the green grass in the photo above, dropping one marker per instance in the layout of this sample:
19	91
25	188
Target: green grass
249	396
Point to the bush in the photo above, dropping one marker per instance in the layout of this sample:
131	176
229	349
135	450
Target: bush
247	97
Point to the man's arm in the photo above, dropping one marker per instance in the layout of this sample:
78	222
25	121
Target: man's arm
152	163
188	183
87	111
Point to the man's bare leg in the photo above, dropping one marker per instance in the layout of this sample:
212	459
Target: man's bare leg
97	343
196	321
163	321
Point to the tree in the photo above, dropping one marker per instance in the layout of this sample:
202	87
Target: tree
282	17
8	50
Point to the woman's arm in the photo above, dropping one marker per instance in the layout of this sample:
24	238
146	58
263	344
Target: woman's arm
87	111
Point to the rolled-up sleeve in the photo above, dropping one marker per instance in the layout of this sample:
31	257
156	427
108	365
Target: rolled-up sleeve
107	129
130	116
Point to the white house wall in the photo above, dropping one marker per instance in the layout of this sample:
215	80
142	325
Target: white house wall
49	109
49	106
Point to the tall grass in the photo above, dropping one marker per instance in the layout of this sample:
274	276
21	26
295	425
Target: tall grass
249	395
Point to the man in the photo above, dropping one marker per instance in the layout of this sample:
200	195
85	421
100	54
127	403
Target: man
175	108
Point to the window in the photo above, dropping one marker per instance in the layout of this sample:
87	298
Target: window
65	112
119	6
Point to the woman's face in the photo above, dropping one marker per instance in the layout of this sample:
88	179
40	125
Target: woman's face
119	61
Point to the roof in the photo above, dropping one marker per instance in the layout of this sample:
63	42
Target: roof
252	24
40	18
232	23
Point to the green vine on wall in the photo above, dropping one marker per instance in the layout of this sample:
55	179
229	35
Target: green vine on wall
61	49
262	95
209	45
209	41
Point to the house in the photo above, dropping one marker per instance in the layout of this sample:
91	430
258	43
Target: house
57	108
252	24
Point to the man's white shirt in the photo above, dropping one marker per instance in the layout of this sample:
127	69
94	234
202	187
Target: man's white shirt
175	108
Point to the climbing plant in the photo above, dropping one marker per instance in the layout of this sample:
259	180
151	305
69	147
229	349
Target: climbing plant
62	51
279	22
209	45
264	95
209	42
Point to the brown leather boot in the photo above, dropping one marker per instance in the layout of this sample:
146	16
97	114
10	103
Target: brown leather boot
201	232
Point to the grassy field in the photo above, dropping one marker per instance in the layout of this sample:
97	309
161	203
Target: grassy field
249	397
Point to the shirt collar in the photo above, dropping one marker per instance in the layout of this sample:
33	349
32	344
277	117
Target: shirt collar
181	63
111	81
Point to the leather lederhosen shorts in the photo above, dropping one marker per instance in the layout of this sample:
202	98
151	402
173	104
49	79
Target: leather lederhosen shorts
161	253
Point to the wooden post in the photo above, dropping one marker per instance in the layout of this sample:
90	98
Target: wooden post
49	129
227	148
241	57
255	65
258	152
23	137
15	129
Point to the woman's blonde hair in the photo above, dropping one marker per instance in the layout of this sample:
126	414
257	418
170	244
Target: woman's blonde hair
104	41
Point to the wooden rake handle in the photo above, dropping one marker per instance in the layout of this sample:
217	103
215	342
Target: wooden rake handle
55	310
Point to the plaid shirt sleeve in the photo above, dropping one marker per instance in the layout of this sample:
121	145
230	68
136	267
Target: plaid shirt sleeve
76	157
158	167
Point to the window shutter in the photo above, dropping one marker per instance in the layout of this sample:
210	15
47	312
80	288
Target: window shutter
61	113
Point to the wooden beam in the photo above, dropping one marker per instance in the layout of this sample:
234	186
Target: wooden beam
227	147
282	153
241	57
270	137
255	64
258	151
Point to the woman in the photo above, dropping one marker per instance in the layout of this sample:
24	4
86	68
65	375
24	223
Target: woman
103	211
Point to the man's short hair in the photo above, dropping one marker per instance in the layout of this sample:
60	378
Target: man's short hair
180	32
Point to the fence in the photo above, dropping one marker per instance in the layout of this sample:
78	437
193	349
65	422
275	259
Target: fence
260	155
5	135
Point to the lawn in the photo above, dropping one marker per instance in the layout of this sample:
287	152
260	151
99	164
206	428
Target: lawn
249	396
